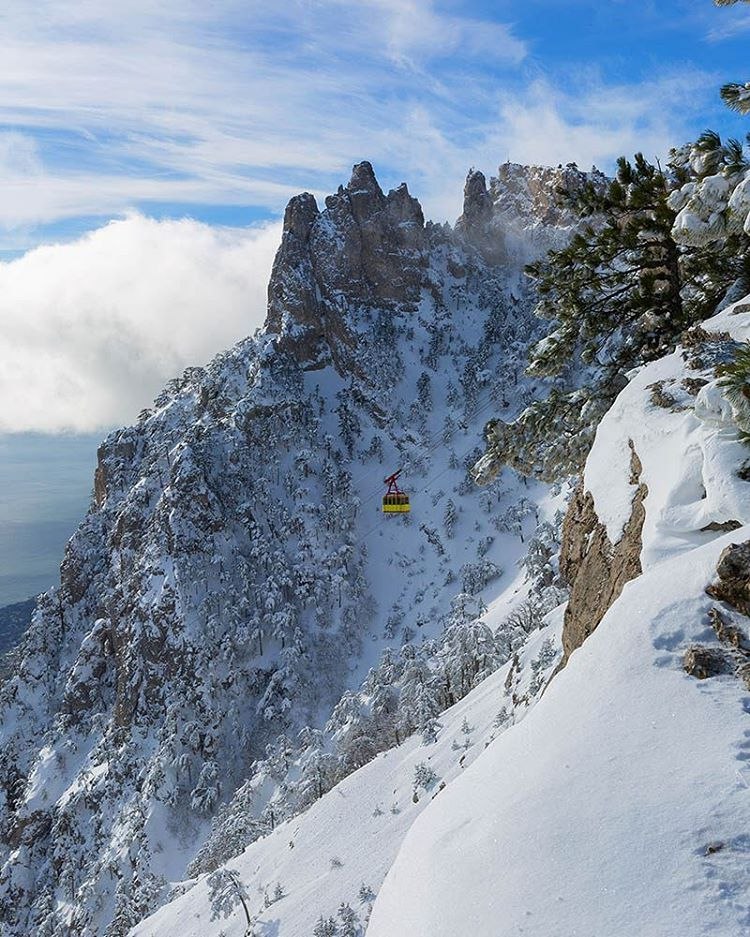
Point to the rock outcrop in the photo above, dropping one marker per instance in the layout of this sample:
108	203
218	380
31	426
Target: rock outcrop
522	213
365	247
535	192
596	569
475	222
732	656
732	584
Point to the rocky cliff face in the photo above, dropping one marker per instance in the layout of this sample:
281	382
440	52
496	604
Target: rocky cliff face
365	248
698	499
234	578
595	569
519	216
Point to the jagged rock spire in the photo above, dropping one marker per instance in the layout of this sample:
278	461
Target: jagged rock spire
300	214
477	211
365	249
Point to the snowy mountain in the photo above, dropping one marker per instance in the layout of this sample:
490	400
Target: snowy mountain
237	628
619	806
256	706
350	837
616	803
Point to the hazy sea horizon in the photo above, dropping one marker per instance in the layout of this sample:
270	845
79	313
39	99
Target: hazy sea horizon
45	490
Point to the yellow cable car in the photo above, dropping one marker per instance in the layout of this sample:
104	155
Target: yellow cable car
395	501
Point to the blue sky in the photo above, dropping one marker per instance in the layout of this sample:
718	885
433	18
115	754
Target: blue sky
221	111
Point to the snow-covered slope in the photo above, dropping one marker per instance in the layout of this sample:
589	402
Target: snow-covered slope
621	805
349	838
216	655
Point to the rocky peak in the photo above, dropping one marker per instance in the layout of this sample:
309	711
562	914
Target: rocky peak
292	296
403	209
534	192
366	249
363	193
519	215
477	211
300	215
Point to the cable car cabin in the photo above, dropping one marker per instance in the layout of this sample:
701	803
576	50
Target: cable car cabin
395	501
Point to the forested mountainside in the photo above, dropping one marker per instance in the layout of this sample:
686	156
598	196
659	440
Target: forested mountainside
237	628
620	805
612	798
14	619
627	777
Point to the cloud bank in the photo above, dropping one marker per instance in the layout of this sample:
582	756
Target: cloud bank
91	330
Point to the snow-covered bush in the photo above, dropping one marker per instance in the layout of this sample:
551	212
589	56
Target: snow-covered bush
424	776
734	381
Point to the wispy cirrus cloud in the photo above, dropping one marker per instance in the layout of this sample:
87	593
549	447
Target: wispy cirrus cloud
728	23
236	103
184	107
191	104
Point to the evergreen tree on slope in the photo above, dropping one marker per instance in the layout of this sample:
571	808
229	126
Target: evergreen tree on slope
734	94
620	295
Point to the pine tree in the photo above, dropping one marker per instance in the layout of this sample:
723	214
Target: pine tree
449	518
227	891
734	95
366	895
349	926
424	391
620	294
326	927
735	382
424	775
621	271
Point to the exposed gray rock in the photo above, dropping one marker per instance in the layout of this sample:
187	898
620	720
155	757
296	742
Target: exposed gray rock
732	657
478	209
722	527
366	246
733	577
596	569
533	192
292	295
729	634
704	662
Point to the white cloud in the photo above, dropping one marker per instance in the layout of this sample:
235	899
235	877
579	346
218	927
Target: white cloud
415	31
544	124
91	330
728	23
240	102
595	123
229	102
